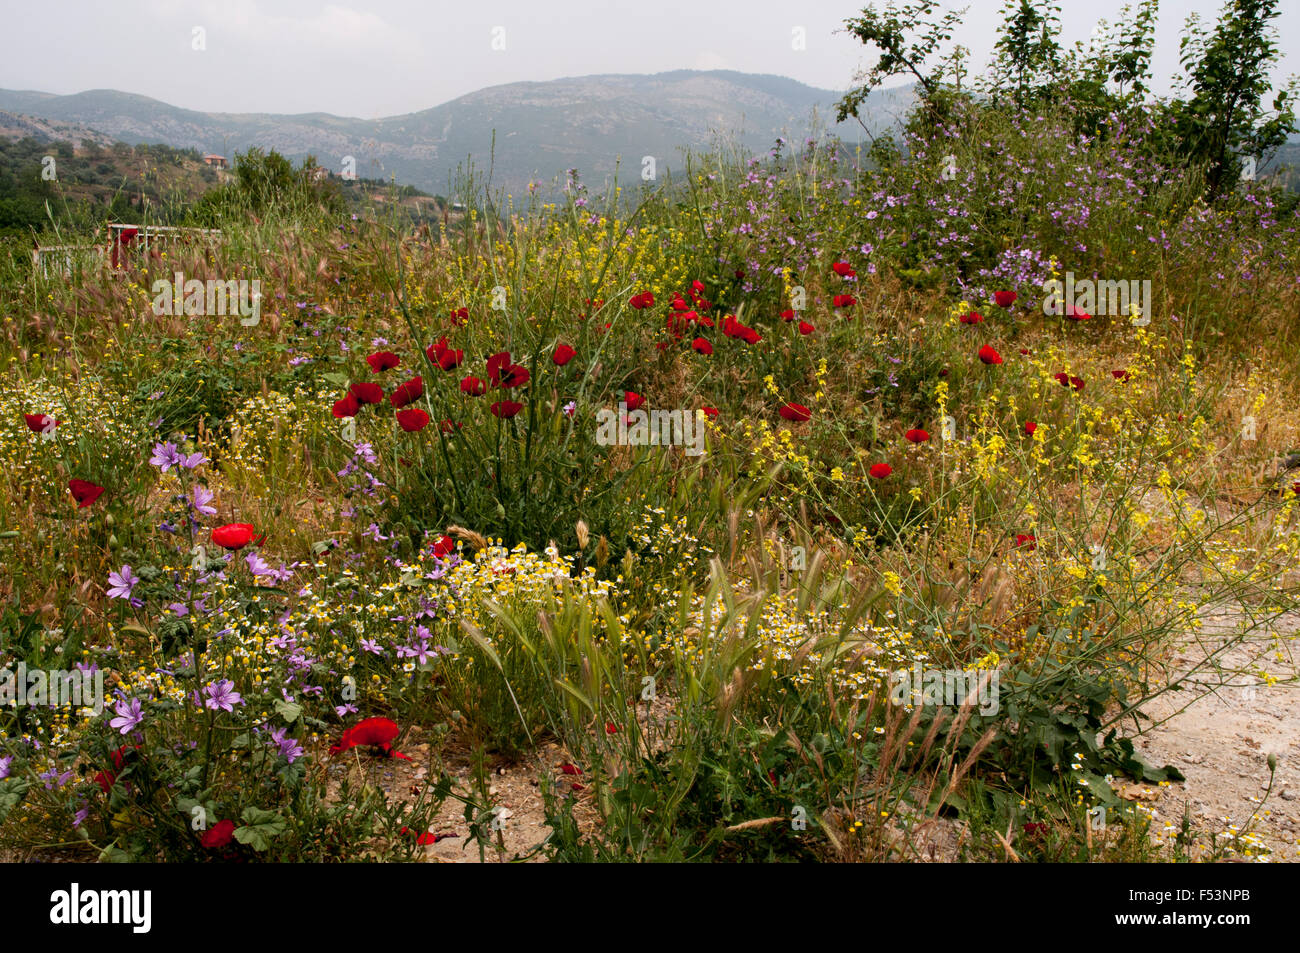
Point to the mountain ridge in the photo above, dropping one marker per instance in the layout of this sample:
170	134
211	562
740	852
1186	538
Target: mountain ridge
542	127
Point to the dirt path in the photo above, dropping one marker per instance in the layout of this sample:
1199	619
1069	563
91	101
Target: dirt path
1222	741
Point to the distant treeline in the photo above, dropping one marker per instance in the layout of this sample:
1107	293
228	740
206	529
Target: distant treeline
48	186
84	188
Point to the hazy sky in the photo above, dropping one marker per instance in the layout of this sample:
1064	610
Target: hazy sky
385	57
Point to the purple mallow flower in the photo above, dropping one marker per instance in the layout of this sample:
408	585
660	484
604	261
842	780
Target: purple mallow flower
201	497
168	455
289	747
222	695
121	583
129	715
165	455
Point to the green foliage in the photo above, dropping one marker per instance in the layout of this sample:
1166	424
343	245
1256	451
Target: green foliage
268	183
1224	120
906	36
1027	56
1218	120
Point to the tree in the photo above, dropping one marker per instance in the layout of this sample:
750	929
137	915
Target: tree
1126	53
906	37
1224	119
1027	55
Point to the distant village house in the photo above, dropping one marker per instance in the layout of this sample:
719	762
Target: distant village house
216	161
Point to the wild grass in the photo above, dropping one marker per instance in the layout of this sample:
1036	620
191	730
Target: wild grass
710	640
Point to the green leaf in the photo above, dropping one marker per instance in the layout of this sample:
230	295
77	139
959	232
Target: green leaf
114	855
260	828
12	792
289	711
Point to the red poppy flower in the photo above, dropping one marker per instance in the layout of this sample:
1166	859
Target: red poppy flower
1004	299
697	287
633	400
1065	380
347	407
105	779
1074	314
219	835
989	356
806	328
38	422
473	386
1030	427
233	536
845	301
702	346
643	300
712	414
445	357
563	355
496	363
971	317
734	329
843	269
443	546
917	436
367	393
412	419
407	393
679	304
84	492
504	373
505	409
1296	487
1121	376
795	412
1035	828
382	361
880	470
611	728
1026	541
374	732
460	316
446	426
571	769
787	314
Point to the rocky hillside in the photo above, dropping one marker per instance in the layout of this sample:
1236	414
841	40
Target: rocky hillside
540	129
